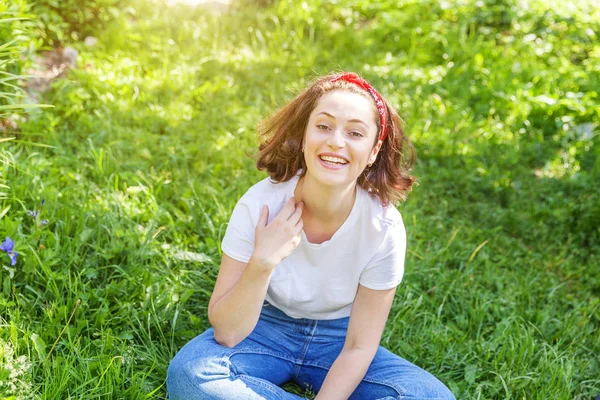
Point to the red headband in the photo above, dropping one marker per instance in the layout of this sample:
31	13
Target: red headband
357	80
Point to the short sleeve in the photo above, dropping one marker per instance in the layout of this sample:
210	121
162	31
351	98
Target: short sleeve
238	242
386	268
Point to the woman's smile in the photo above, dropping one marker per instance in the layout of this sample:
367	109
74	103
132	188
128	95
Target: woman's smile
333	161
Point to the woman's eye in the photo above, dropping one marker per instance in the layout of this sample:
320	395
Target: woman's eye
356	134
322	126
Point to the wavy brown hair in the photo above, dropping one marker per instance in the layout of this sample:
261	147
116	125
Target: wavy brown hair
281	136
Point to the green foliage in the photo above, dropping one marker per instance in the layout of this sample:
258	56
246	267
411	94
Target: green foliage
143	157
64	21
15	37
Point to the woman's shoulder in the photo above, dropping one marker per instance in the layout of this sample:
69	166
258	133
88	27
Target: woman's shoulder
383	216
267	189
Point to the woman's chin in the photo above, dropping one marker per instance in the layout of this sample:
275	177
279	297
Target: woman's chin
329	177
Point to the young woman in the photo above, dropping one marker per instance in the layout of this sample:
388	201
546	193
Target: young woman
312	257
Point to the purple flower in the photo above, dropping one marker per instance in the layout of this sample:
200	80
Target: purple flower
35	214
8	246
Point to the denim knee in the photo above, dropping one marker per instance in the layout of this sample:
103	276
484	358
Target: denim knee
187	378
425	389
177	374
431	392
436	391
445	394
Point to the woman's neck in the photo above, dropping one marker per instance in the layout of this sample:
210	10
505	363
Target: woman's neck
326	204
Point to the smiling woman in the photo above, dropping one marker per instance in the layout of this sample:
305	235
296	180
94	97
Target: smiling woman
312	257
336	106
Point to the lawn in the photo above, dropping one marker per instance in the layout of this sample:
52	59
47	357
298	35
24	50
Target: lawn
144	154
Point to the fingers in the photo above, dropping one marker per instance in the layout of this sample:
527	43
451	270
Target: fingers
264	216
289	215
295	217
298	227
287	210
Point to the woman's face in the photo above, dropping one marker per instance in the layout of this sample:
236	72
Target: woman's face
343	126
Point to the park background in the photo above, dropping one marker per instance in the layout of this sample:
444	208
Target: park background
119	174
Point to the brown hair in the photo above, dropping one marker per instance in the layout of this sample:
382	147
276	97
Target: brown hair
281	136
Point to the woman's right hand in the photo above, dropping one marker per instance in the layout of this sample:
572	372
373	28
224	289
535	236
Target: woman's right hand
276	241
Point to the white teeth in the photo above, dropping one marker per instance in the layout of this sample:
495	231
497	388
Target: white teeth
333	159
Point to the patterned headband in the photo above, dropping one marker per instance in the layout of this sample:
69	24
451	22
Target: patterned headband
357	80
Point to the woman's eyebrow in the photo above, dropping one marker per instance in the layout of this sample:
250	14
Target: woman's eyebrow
350	120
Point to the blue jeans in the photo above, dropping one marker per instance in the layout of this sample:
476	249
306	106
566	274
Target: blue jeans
280	349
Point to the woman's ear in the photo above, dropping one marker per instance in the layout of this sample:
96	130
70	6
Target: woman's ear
375	151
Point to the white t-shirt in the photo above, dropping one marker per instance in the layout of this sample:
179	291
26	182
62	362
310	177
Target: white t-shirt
320	281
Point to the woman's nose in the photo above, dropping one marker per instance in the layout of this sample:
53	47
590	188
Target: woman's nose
337	138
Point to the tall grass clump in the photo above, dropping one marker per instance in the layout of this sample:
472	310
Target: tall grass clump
16	43
15	36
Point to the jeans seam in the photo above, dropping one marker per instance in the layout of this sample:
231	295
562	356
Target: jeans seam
259	382
252	351
400	391
316	364
300	360
234	372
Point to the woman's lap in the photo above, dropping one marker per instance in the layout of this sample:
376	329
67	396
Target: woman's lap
204	369
389	377
281	349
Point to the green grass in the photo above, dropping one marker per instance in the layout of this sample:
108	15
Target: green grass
143	157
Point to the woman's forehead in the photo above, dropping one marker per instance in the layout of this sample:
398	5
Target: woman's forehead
346	105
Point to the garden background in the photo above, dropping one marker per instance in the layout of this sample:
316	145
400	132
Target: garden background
118	194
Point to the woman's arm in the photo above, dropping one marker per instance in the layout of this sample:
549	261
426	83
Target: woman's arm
235	313
240	290
369	315
349	368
